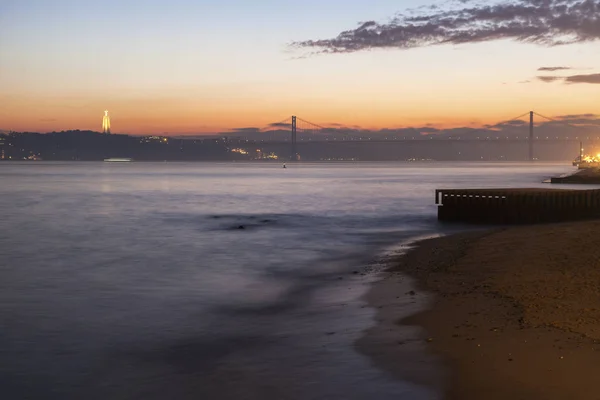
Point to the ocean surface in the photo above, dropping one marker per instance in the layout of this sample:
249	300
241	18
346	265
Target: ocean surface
208	281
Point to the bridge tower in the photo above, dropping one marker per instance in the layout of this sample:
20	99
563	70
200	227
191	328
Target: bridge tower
294	155
530	135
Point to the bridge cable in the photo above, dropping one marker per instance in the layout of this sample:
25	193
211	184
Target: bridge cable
276	126
487	131
310	123
559	122
513	119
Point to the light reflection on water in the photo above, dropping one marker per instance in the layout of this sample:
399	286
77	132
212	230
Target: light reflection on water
136	280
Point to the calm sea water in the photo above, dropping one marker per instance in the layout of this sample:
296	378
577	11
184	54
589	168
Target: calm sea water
207	281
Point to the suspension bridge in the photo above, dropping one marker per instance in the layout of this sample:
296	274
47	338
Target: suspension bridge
296	131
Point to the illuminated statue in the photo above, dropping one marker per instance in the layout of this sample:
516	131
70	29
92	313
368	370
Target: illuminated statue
106	122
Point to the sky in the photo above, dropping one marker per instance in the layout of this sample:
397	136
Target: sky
197	66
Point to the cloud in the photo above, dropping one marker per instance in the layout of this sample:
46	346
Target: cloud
578	116
549	79
552	69
562	125
280	125
558	125
590	78
581	119
248	129
514	122
543	22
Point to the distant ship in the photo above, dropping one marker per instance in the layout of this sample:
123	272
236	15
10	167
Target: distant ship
118	160
587	161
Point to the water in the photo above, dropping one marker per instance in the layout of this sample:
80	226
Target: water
213	281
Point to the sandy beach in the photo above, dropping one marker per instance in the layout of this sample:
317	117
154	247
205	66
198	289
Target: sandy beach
512	313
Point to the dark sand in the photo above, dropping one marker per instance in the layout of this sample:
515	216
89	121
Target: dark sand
515	314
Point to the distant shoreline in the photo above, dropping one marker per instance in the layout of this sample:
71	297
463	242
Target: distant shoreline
428	162
516	313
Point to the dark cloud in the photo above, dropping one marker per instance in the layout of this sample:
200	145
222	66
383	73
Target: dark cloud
578	116
280	125
543	22
581	119
506	125
514	122
590	78
551	69
549	79
248	129
569	124
561	126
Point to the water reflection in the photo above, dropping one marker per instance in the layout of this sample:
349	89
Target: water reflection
135	280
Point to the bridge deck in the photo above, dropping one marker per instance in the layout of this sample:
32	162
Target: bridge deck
515	206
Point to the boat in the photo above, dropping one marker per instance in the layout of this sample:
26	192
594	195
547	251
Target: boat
587	161
118	160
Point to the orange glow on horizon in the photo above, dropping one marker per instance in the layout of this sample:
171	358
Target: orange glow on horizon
187	115
142	126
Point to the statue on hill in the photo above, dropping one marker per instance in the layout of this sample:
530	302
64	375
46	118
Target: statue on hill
106	123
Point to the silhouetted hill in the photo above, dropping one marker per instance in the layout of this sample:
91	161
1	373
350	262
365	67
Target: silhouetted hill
96	146
383	146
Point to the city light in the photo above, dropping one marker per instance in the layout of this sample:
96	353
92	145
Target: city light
239	151
159	139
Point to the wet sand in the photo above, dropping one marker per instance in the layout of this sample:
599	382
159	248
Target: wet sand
513	314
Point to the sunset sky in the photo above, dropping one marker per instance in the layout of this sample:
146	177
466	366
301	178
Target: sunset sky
198	66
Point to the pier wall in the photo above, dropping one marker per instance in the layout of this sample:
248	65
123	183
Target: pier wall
516	206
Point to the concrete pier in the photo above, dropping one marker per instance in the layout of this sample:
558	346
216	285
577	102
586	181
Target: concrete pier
587	175
516	206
